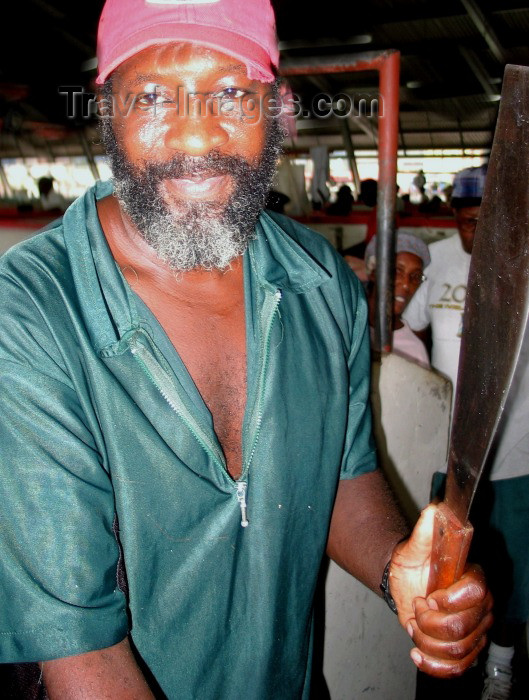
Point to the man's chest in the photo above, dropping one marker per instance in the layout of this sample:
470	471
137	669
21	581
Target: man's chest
212	346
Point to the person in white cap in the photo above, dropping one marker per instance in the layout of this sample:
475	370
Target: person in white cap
411	257
184	389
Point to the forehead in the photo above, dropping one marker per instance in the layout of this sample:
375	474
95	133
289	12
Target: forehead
178	59
408	259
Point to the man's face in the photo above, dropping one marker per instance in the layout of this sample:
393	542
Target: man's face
408	277
466	220
192	154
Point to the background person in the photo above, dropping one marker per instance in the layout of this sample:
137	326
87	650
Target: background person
50	200
411	257
368	194
343	204
439	303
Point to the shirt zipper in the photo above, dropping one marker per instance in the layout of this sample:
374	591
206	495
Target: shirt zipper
242	485
255	428
164	385
241	497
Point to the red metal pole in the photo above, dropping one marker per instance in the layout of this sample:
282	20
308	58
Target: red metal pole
388	65
388	137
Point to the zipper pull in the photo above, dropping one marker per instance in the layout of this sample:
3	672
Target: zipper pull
241	497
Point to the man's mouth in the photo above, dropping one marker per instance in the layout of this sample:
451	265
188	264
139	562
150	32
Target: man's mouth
199	187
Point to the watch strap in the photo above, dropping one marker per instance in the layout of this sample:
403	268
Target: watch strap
384	587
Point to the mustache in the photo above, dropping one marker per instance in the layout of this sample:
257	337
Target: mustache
185	166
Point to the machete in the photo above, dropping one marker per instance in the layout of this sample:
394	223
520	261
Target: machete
494	322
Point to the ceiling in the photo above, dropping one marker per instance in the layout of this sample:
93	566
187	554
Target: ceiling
453	55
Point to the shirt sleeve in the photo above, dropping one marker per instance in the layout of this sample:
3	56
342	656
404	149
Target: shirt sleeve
58	553
417	313
359	456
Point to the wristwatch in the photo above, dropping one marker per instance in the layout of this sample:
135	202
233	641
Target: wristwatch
384	587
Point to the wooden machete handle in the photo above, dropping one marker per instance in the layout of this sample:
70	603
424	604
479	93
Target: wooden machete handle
451	542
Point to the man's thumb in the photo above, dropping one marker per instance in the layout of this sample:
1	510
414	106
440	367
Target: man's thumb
419	545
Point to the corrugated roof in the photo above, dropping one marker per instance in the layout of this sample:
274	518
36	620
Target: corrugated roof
448	68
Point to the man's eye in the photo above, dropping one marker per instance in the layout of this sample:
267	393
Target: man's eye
230	93
149	99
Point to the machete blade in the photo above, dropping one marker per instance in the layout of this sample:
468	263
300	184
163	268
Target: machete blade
497	298
494	322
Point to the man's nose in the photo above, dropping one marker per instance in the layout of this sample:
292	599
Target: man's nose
196	132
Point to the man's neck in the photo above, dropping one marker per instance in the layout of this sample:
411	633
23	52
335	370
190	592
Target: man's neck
143	269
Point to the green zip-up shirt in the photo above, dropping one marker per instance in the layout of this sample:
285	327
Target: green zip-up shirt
99	417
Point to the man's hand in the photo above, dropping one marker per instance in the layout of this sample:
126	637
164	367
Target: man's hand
448	626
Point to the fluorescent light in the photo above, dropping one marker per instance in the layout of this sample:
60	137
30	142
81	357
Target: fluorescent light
325	42
91	64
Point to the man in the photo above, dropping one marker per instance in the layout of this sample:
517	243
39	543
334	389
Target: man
182	366
411	257
440	301
343	204
50	200
500	544
501	516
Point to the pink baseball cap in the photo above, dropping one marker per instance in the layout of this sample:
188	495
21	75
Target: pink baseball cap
244	29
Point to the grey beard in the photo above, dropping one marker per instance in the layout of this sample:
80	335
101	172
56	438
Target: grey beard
195	237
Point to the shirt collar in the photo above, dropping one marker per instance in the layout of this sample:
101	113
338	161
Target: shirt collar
277	260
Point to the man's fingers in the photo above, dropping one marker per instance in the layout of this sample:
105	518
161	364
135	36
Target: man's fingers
444	668
451	626
453	648
470	591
